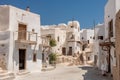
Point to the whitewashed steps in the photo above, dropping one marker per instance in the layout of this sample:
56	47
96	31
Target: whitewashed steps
23	72
5	75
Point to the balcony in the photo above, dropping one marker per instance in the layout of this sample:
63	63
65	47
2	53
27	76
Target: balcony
25	37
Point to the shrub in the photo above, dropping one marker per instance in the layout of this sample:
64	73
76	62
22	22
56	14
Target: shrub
52	43
52	58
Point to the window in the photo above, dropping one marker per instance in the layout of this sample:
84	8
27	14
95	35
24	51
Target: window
82	38
72	37
110	29
114	53
115	62
100	37
72	26
84	46
34	57
90	37
88	58
88	41
48	36
33	30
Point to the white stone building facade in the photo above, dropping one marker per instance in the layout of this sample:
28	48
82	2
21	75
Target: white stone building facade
99	37
66	36
87	35
19	41
111	8
87	39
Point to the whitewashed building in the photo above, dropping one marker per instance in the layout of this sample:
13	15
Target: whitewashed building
19	41
87	35
111	8
66	36
87	38
73	43
99	37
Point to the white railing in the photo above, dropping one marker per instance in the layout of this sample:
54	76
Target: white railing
25	35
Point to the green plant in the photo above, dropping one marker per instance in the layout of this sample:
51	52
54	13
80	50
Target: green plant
52	58
52	43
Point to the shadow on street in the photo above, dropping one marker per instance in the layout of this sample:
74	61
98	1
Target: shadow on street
94	74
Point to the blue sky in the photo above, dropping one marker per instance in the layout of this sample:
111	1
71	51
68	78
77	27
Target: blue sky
62	11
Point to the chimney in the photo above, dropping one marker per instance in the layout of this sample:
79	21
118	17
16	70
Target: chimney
27	8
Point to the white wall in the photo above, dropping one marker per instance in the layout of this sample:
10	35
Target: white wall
110	12
32	21
76	32
4	33
64	32
55	33
117	5
99	31
87	34
111	8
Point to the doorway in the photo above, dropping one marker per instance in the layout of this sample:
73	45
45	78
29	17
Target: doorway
70	51
95	60
64	51
43	59
22	59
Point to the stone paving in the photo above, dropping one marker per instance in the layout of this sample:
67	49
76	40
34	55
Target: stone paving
67	73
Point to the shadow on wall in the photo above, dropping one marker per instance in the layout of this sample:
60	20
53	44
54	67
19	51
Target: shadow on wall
15	56
94	74
24	60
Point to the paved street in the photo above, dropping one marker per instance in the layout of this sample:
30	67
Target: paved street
67	73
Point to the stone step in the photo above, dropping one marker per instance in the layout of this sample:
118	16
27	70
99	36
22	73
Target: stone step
6	73
22	72
3	71
7	76
0	68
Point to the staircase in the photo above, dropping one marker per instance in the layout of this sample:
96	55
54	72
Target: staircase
5	75
22	72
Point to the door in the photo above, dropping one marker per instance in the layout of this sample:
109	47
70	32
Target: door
95	59
70	51
22	59
43	60
22	32
109	61
64	51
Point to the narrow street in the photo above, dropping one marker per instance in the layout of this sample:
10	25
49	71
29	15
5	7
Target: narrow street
67	73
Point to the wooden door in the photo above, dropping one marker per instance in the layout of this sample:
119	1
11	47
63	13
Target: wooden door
22	32
95	59
64	51
70	51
